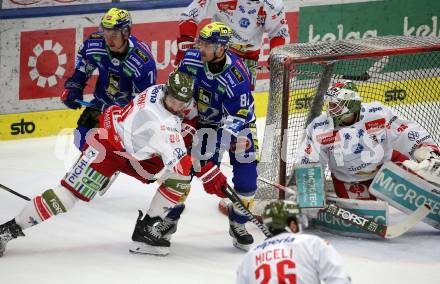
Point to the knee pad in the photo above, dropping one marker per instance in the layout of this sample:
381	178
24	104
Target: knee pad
82	179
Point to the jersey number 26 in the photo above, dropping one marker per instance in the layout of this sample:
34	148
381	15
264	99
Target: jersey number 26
263	272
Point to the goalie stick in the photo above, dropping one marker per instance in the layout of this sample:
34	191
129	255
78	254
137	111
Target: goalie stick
14	192
235	199
384	231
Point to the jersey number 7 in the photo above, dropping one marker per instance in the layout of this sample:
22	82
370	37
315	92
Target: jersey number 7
263	272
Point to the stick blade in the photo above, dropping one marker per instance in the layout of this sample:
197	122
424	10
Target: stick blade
412	220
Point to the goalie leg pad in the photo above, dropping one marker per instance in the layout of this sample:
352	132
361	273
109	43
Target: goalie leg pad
376	210
51	202
406	192
310	184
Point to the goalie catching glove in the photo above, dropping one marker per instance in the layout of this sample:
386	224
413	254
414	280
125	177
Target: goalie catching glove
214	182
427	165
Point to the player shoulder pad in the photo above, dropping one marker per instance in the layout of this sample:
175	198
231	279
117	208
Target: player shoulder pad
239	68
320	122
95	40
139	57
373	107
154	93
193	54
192	61
273	4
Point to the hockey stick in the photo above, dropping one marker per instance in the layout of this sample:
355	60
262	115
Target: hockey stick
230	193
86	104
387	232
14	192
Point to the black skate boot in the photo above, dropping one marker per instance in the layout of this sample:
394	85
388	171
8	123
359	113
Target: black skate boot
240	236
8	231
147	239
167	227
169	224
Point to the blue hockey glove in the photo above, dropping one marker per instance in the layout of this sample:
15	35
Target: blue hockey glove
72	92
69	96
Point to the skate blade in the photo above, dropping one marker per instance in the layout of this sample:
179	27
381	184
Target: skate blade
142	248
241	246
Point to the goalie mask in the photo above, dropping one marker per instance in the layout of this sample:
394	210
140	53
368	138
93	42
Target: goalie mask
342	100
278	214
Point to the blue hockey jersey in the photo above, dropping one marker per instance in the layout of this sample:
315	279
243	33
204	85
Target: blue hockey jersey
119	80
223	99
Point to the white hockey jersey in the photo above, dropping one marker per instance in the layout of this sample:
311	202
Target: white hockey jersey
292	258
146	128
355	153
249	20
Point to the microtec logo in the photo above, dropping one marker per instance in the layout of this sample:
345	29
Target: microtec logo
22	127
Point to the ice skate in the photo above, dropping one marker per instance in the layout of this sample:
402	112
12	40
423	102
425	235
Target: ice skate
240	237
167	227
147	239
8	231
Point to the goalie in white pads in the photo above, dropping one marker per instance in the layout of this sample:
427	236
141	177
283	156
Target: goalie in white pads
355	138
140	140
290	257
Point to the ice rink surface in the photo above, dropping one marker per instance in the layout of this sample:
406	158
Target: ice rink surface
89	244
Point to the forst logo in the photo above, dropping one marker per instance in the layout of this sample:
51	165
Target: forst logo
395	95
22	127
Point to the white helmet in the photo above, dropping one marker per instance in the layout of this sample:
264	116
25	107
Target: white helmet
342	99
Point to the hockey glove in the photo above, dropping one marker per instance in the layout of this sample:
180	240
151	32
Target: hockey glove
428	165
188	133
183	44
89	118
214	182
72	92
69	96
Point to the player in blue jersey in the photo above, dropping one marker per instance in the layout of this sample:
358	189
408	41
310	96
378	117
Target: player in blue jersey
226	121
126	67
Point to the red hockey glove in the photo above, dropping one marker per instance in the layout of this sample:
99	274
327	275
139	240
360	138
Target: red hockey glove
183	44
214	182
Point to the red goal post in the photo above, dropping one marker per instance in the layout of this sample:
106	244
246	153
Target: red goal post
402	72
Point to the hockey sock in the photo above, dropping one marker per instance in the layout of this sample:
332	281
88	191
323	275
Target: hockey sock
49	203
167	197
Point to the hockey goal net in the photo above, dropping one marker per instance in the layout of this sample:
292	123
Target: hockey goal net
399	71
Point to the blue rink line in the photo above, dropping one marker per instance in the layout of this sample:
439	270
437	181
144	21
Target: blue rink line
19	13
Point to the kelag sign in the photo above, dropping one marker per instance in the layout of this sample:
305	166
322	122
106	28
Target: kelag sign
369	19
